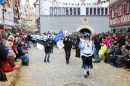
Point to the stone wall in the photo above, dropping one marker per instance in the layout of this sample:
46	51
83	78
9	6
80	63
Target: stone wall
71	23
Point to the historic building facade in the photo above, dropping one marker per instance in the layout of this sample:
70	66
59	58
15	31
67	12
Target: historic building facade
69	16
29	22
36	5
119	15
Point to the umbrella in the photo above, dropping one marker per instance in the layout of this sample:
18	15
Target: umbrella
73	36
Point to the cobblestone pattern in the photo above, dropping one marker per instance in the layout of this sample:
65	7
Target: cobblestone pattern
57	73
71	23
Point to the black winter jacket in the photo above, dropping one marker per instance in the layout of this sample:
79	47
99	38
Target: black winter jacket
3	54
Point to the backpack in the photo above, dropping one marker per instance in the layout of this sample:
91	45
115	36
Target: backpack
2	76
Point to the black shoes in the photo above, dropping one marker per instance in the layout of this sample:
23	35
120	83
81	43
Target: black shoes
85	76
48	60
67	62
25	63
88	73
96	61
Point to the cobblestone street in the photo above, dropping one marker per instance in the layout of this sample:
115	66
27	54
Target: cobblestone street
57	73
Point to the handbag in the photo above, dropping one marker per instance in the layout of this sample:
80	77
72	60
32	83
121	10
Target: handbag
6	67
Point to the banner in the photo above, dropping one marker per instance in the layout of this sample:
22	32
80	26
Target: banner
60	44
59	36
39	46
56	3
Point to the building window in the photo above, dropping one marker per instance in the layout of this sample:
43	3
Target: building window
63	11
55	11
74	11
70	11
87	11
51	10
98	11
78	11
106	11
9	16
58	11
67	11
113	13
128	7
90	11
102	11
119	11
94	11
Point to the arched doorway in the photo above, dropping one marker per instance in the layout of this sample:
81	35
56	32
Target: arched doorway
85	28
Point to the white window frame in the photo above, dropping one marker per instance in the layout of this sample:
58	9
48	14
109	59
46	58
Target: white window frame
128	7
119	10
113	13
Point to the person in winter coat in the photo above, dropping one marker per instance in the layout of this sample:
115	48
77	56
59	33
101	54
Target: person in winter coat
67	47
76	46
127	62
7	55
23	55
47	51
28	40
87	49
10	43
51	42
96	41
3	54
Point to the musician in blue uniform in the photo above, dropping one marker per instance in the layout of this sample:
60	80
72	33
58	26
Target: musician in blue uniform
87	48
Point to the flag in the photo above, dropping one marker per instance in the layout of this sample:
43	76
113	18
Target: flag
59	36
2	1
60	44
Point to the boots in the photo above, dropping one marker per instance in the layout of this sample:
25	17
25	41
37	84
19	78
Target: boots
88	73
48	60
16	67
44	60
25	63
85	76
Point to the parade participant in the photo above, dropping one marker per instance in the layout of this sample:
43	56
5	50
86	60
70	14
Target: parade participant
76	46
45	38
51	41
67	47
87	49
96	41
34	39
47	51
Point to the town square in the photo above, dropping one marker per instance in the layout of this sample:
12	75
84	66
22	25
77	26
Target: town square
64	42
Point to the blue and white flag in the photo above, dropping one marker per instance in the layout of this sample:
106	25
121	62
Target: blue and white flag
2	1
59	36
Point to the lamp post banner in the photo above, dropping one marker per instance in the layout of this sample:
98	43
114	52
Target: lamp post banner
2	1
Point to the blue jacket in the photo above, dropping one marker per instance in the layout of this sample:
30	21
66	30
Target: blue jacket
20	50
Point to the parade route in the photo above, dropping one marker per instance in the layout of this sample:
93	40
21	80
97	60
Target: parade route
57	73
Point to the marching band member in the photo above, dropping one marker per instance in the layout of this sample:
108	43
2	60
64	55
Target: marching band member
67	47
87	48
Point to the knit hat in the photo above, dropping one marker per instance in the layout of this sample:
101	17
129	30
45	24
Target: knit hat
87	35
